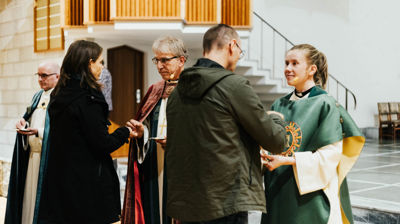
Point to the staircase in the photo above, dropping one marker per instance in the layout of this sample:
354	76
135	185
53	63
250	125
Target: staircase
263	65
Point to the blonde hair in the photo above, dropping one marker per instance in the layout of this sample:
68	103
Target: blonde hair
170	44
317	58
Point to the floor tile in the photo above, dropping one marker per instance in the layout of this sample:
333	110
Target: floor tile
390	193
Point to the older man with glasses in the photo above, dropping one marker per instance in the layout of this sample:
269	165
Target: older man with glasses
146	177
30	151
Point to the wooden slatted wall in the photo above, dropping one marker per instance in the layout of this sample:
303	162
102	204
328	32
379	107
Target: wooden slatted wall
102	11
236	12
201	11
148	9
48	34
74	9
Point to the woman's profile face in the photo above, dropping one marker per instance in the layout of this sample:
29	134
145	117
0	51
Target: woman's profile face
96	66
297	69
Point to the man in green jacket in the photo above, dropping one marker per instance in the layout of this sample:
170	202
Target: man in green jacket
216	124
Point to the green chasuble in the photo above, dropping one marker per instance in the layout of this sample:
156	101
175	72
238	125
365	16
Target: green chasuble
312	123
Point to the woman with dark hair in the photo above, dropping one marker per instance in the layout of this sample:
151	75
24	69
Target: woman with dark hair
81	185
307	183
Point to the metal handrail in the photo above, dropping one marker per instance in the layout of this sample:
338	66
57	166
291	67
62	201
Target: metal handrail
338	83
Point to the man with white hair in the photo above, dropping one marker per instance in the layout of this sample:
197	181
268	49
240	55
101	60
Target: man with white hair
30	151
145	194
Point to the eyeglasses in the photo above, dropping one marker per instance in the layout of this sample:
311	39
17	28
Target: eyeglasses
242	52
162	60
44	75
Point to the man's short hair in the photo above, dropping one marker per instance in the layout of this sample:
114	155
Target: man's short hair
218	36
170	44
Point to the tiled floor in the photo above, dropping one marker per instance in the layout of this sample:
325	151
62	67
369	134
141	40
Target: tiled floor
374	184
374	181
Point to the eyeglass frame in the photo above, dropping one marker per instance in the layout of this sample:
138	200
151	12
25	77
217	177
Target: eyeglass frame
163	60
242	52
44	75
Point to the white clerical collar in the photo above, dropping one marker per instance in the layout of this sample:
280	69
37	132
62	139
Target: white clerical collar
294	97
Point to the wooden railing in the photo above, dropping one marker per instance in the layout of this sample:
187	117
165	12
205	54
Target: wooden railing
201	11
146	9
102	10
73	12
236	13
96	11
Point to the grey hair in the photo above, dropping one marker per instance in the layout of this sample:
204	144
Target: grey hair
170	44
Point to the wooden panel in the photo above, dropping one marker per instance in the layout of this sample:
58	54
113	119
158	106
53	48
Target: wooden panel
41	33
55	43
74	12
55	20
41	23
201	11
236	12
48	34
55	9
41	45
42	12
102	11
55	31
147	9
40	3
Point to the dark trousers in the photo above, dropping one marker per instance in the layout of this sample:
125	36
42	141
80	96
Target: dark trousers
238	218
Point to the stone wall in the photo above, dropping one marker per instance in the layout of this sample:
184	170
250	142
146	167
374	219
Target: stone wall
18	63
5	168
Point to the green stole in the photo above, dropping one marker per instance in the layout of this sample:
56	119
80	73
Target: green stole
311	124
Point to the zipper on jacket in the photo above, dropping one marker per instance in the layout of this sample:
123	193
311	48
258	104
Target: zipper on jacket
251	178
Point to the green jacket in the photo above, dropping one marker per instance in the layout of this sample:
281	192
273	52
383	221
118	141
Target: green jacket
216	124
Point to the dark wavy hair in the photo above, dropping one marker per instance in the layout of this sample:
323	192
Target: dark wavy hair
76	64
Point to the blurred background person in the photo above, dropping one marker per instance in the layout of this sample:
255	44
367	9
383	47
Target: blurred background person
30	151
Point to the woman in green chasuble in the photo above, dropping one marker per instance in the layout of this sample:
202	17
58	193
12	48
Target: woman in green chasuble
306	184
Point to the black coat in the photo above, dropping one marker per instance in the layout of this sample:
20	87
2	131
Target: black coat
81	185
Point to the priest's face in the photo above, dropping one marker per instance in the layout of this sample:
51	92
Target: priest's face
298	72
168	65
47	76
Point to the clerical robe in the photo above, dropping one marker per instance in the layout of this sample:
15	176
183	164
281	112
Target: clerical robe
326	143
29	164
145	185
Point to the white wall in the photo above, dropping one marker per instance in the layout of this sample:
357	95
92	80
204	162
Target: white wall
359	37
